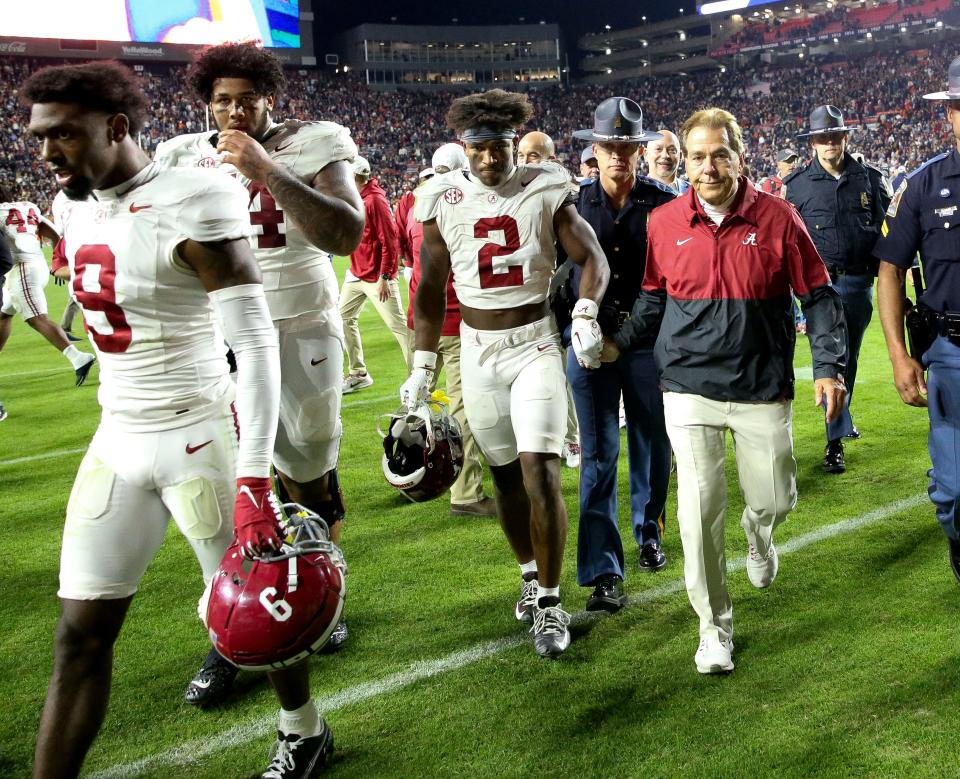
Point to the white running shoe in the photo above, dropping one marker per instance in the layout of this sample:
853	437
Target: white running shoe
761	571
353	382
714	656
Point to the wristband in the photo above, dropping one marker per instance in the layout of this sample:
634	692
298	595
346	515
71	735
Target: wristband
585	309
422	359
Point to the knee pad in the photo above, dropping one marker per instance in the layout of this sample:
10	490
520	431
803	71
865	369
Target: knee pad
195	508
318	417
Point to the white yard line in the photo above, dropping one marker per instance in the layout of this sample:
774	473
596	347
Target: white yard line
46	456
191	752
61	369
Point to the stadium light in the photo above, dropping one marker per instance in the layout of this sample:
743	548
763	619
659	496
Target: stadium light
606	27
609	70
903	29
643	19
346	68
683	35
800	55
608	51
722	6
869	35
723	69
939	25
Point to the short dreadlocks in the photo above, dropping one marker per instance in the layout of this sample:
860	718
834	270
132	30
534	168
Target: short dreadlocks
237	60
496	108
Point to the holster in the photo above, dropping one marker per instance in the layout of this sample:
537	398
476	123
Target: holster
921	329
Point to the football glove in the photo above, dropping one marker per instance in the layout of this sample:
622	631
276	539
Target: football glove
414	391
585	334
256	517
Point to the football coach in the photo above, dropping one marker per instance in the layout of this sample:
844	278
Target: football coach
721	263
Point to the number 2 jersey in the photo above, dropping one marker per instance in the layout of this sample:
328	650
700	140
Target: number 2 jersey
20	222
294	270
151	321
501	239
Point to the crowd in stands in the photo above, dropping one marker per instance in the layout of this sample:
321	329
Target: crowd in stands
398	131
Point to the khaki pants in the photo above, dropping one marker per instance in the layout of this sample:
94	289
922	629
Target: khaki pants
353	296
763	441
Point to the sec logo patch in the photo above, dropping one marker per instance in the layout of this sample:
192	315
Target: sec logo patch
453	196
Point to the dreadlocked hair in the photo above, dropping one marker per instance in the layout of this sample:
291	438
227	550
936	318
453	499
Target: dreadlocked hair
237	60
496	107
96	86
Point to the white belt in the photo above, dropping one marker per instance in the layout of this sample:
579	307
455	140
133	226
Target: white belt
516	336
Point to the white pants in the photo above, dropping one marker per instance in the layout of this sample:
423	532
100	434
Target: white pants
23	290
129	485
763	442
514	389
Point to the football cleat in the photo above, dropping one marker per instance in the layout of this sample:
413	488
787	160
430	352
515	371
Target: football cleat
550	635
337	639
422	450
294	757
71	337
354	382
277	609
213	681
3	413
83	370
523	611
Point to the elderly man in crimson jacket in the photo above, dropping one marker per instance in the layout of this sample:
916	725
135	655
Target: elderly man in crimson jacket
721	263
372	276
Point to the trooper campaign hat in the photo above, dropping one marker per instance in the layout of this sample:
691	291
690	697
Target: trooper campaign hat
952	91
617	120
826	119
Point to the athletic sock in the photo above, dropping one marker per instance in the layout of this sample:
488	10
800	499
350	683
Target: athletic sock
77	358
548	596
528	568
304	722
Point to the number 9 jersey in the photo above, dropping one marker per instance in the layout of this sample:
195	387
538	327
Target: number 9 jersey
501	240
149	316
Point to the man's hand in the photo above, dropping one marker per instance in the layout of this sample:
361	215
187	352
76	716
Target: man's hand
610	351
833	392
585	334
383	290
909	381
415	389
256	517
246	155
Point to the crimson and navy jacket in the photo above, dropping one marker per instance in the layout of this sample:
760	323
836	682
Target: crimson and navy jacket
379	248
721	298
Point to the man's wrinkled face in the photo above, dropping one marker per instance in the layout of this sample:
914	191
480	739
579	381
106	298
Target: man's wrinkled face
236	105
712	164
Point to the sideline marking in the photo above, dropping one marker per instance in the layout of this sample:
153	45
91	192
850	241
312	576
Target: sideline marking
191	752
47	456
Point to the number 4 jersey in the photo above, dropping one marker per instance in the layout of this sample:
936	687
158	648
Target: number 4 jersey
292	266
20	221
501	240
161	358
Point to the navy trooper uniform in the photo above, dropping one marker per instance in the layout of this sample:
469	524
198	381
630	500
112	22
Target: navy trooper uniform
924	216
843	217
622	234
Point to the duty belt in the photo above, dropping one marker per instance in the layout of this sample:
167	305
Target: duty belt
849	270
946	323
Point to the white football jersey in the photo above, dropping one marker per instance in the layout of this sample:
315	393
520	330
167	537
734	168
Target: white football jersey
292	266
20	222
501	240
150	318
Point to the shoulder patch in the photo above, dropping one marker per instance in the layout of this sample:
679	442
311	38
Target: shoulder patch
895	203
928	163
446	186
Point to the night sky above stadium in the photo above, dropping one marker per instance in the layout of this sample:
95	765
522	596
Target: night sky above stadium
574	17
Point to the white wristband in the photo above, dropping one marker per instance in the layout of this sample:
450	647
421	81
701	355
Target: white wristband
426	360
585	309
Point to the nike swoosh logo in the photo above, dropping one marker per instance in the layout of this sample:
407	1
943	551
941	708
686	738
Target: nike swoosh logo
282	148
245	490
134	208
681	243
317	362
192	449
202	684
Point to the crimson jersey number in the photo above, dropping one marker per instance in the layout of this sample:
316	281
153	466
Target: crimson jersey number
15	219
267	218
96	266
511	234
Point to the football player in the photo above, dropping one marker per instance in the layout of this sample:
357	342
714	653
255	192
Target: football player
149	250
495	227
23	228
304	206
6	263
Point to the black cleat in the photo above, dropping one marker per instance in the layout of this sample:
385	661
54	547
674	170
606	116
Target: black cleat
550	635
955	557
300	758
337	639
213	681
83	370
3	413
608	594
652	558
853	435
71	337
833	460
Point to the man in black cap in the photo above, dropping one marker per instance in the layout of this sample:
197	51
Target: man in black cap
588	165
924	216
842	203
617	205
787	160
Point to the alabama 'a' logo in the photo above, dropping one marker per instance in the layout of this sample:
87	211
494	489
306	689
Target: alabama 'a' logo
208	162
453	195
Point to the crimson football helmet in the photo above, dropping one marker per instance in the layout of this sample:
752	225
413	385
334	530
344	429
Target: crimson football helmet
274	611
423	450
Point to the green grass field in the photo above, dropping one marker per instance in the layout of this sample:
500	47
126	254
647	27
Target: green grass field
846	667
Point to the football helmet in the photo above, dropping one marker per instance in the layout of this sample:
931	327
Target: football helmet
423	449
274	611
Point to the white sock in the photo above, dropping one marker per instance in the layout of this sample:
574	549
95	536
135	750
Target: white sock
530	567
77	358
546	592
304	722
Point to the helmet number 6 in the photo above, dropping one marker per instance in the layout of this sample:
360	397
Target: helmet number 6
279	609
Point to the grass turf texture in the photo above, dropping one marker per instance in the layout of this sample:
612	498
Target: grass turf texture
845	667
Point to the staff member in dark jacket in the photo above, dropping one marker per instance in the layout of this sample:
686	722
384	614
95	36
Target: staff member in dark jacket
721	262
618	206
842	204
925	216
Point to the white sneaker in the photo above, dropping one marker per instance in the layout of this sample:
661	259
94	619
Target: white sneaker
571	453
623	414
714	656
761	571
353	382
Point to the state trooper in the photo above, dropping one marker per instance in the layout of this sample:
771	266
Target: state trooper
842	202
924	216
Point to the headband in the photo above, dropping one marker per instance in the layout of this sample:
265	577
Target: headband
487	132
